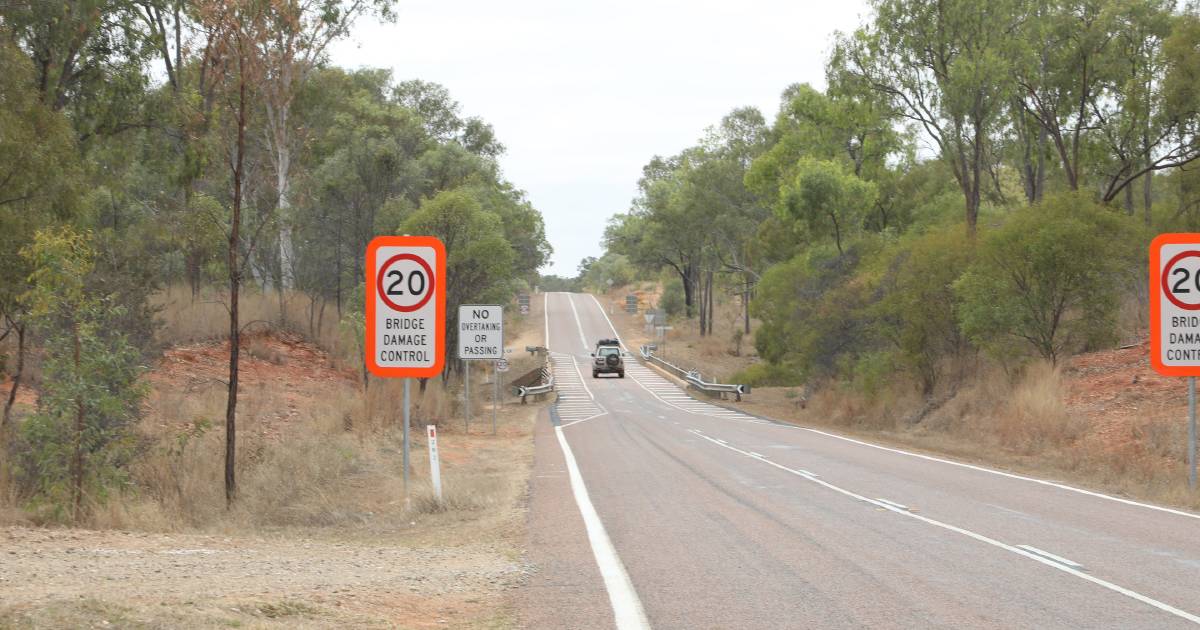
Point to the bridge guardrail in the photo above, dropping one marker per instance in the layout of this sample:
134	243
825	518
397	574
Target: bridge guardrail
693	377
545	385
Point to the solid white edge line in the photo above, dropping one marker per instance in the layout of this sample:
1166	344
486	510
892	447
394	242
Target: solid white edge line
979	537
627	608
1001	473
1056	558
616	335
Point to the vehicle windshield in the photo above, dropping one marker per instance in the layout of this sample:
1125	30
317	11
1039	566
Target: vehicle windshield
605	351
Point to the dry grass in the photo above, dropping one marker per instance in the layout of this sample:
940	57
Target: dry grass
186	318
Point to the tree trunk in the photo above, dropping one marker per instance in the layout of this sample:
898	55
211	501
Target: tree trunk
283	163
235	280
703	305
12	393
77	456
746	305
1129	200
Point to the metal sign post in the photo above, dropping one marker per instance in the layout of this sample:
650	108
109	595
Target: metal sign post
405	314
495	394
467	393
406	423
1192	433
1175	319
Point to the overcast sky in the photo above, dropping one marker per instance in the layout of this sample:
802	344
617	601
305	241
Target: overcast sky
583	94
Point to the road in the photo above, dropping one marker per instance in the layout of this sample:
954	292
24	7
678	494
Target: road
650	508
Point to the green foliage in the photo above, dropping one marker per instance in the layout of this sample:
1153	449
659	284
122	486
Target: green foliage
479	260
610	270
1050	278
79	441
828	201
814	310
918	312
671	301
767	375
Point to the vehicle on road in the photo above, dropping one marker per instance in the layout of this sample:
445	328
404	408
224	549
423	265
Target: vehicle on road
607	359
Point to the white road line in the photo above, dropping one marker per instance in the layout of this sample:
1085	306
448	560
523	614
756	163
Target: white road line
893	503
1182	614
616	335
578	323
627	608
1058	559
1001	473
563	426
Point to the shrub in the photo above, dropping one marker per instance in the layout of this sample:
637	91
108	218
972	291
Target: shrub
672	300
1049	278
79	440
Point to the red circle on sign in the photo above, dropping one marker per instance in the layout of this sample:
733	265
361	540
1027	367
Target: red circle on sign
383	294
1166	287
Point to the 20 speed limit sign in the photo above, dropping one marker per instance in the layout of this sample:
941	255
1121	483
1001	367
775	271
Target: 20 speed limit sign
1175	304
406	306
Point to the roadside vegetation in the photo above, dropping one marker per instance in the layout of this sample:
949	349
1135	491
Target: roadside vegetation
926	244
187	188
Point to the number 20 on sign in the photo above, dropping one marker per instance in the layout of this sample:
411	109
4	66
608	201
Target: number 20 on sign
405	306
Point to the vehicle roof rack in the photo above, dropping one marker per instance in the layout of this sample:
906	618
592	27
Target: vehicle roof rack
608	342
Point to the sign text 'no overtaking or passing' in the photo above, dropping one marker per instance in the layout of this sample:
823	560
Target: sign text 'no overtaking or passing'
406	306
1175	304
480	331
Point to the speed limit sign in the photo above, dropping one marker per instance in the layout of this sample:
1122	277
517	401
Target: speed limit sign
405	306
1175	304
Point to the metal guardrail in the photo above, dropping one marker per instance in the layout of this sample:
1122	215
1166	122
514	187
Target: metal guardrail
545	386
693	377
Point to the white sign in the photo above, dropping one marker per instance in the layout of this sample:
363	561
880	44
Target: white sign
406	306
480	331
435	466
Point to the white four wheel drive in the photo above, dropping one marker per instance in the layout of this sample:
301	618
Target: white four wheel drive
607	359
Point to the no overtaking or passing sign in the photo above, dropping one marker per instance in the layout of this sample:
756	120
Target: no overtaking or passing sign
480	331
1175	304
406	306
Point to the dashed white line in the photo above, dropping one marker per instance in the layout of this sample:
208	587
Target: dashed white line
1047	554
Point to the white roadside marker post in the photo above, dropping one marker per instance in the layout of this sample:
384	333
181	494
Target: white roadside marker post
435	467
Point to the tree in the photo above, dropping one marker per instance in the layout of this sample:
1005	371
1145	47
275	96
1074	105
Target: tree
478	258
295	36
826	200
79	438
1049	277
39	171
946	66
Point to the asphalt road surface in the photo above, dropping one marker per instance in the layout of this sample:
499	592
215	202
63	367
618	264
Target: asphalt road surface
650	508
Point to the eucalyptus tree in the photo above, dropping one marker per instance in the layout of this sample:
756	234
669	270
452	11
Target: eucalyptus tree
947	67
